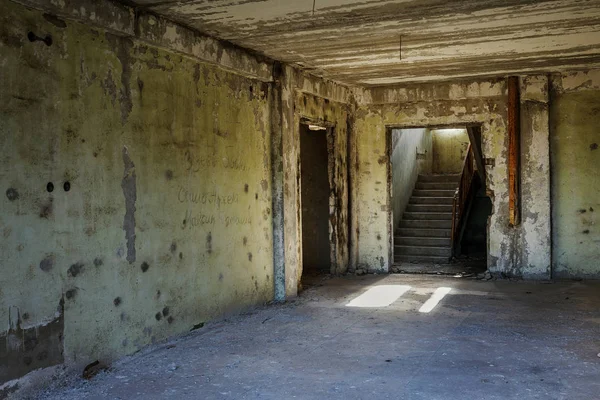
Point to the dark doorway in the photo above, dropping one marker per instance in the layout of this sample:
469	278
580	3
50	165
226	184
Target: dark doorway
315	200
439	205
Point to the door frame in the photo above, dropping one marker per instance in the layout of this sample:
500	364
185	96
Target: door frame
333	197
389	179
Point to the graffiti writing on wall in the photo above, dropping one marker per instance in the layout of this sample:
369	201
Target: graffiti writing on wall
196	163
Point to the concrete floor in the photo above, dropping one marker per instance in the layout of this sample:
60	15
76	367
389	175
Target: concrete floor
485	340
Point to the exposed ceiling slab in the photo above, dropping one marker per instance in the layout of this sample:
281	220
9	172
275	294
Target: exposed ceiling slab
382	42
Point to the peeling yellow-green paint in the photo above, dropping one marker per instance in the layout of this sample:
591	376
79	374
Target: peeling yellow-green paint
192	141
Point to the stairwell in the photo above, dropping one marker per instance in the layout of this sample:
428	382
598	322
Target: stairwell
423	235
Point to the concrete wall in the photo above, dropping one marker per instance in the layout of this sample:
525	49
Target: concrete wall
518	251
181	155
150	177
411	156
326	103
449	150
136	196
575	142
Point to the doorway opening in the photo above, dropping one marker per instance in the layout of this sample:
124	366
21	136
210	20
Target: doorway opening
439	205
315	199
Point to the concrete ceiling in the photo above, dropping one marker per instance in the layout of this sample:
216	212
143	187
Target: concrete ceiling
380	42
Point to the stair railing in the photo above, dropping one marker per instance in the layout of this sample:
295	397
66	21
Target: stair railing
461	196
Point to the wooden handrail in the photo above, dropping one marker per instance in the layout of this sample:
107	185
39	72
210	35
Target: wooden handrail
461	196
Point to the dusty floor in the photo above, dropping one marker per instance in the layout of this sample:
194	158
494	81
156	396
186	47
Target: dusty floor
459	267
484	340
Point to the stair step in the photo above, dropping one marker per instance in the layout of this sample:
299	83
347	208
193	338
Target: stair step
436	185
433	193
421	241
426	215
422	259
423	232
439	208
431	200
439	178
435	224
422	251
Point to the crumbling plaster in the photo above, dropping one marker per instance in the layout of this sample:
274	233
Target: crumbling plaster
148	121
325	103
516	251
178	155
136	197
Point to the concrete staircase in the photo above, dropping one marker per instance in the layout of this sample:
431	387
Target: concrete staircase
423	235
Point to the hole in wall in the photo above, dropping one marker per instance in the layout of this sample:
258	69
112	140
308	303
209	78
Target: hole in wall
35	38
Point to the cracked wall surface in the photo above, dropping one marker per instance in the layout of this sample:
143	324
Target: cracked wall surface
575	154
521	251
325	103
136	194
151	177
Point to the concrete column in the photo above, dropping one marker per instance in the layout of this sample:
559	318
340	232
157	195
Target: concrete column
277	183
291	189
535	244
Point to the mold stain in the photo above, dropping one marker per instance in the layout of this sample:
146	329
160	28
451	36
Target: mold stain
46	210
47	263
128	185
209	243
12	194
117	301
54	20
145	266
75	269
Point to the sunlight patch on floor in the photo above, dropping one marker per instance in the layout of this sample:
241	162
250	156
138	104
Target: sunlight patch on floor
434	300
379	296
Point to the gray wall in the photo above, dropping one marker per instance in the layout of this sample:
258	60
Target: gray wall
411	156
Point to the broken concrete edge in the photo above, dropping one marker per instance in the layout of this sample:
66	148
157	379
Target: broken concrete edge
168	35
159	32
27	385
71	373
473	88
575	81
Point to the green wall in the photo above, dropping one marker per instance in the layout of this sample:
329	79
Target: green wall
575	166
167	221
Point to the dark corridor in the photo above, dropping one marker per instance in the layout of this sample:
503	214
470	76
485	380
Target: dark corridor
315	201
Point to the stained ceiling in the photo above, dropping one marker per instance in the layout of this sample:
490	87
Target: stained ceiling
381	42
